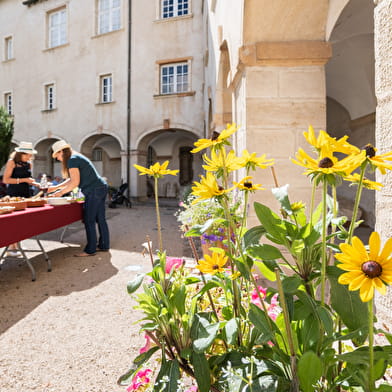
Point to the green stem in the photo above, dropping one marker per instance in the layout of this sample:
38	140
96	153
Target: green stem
371	344
312	203
333	229
293	359
324	244
356	203
158	214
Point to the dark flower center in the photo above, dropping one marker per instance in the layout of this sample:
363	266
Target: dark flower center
215	135
370	151
248	185
221	188
325	163
215	267
371	269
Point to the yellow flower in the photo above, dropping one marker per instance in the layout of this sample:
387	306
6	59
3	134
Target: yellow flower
297	206
326	144
378	160
157	170
366	270
328	164
219	162
250	161
354	179
217	139
207	188
212	264
246	185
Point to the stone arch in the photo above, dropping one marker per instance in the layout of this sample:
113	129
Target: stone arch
350	84
108	160
43	162
164	145
223	97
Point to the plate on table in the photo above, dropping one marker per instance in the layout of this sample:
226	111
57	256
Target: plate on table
18	205
58	201
6	210
36	202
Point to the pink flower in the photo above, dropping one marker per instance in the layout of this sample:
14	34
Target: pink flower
147	346
273	309
172	262
193	388
139	380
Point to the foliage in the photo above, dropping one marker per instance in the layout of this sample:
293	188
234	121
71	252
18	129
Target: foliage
218	326
6	133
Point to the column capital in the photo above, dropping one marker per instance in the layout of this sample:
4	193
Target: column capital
286	54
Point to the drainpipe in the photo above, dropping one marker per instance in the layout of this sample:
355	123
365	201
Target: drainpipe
129	97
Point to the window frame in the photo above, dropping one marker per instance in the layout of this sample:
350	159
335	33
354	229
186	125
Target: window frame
110	11
62	26
102	87
8	103
50	96
8	48
175	9
175	75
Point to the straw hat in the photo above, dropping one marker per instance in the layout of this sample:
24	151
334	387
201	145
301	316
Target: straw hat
58	146
26	148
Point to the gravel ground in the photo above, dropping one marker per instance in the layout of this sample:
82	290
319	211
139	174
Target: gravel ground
73	329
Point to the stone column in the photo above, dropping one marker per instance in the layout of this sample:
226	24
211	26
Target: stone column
383	71
283	86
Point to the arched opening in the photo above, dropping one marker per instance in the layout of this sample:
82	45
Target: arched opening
173	145
351	100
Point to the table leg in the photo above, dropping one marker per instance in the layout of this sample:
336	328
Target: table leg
33	276
45	254
2	257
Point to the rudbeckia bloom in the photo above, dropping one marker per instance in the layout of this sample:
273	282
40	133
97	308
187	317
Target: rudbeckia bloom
217	139
251	161
212	264
378	161
354	179
246	185
157	170
219	162
326	144
207	188
328	164
366	270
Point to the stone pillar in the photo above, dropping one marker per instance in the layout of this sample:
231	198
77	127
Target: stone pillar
383	71
284	93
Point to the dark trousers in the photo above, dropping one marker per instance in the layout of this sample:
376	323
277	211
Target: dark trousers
94	213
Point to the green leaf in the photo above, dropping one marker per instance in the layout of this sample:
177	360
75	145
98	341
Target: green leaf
265	252
309	371
179	297
144	357
126	378
291	283
205	334
347	304
135	283
260	321
271	222
266	272
231	331
384	388
202	371
170	372
253	235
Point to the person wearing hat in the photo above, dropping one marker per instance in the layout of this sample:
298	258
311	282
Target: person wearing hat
18	177
79	171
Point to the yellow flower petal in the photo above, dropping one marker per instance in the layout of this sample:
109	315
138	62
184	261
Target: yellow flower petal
374	244
386	252
367	291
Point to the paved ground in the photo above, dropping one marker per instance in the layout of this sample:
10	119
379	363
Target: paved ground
74	328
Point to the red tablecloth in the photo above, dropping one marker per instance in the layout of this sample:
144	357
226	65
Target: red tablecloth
20	225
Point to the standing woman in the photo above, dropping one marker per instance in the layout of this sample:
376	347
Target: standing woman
17	175
78	171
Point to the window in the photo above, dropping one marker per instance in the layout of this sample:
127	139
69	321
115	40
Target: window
174	78
109	15
106	88
97	155
9	48
173	8
8	103
57	32
50	97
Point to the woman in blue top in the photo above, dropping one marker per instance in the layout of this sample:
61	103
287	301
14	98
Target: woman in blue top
78	171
